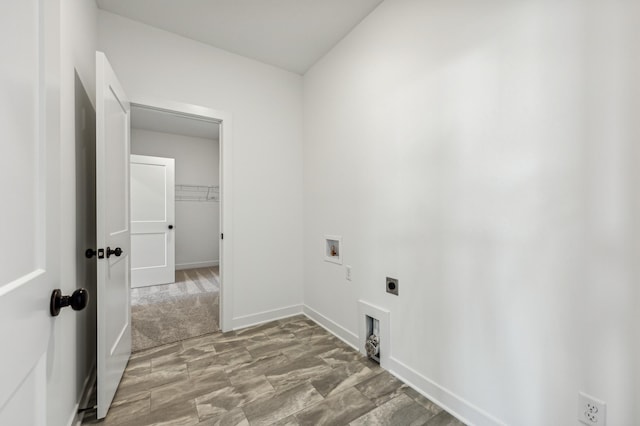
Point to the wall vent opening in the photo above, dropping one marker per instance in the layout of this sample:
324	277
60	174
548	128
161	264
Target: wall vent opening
372	344
374	321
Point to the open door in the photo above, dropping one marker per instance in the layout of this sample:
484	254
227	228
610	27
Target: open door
153	245
113	232
29	222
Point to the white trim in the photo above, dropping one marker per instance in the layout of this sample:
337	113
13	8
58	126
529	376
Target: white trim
454	404
85	396
337	330
382	315
266	316
327	256
226	224
192	265
179	107
227	322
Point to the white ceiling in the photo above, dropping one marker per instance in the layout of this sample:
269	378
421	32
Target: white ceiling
290	34
166	122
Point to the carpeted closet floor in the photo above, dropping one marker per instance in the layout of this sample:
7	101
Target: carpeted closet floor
169	313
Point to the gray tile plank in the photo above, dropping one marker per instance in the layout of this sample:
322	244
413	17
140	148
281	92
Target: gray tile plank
342	377
225	400
188	389
338	409
341	355
444	419
234	417
133	388
381	388
425	402
297	371
399	411
270	409
288	372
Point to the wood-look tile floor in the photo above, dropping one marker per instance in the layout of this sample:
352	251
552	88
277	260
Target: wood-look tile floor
286	372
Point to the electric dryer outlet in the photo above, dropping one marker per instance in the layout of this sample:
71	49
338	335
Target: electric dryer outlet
392	286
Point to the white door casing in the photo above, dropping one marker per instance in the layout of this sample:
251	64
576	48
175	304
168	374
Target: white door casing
113	232
152	220
224	119
29	218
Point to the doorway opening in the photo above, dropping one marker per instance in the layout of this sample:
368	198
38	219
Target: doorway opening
175	171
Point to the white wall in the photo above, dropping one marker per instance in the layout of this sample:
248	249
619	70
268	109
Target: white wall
197	162
485	153
266	105
70	356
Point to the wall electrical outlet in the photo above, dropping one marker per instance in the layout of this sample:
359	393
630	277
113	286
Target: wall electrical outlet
392	285
347	272
591	411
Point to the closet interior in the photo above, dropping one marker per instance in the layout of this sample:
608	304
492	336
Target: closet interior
175	227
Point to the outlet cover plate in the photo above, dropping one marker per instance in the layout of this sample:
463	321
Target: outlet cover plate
392	285
591	411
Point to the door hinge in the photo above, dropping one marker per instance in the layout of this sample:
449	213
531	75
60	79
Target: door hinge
221	236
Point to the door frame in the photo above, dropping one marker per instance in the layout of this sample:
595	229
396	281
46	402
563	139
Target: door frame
224	119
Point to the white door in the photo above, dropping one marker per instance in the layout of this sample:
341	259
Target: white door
153	244
113	232
29	218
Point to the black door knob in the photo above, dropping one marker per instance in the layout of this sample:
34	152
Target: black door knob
117	252
170	226
78	301
89	253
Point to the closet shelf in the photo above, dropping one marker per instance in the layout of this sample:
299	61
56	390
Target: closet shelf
197	193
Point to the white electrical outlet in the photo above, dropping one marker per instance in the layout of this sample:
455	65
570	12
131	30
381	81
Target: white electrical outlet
591	411
347	271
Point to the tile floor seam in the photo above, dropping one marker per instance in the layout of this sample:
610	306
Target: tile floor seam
219	390
334	395
171	312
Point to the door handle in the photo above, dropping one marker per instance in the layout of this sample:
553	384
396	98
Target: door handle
117	252
170	226
78	301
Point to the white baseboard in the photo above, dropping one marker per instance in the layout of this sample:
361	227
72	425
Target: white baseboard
337	330
457	406
193	265
85	395
266	316
462	409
